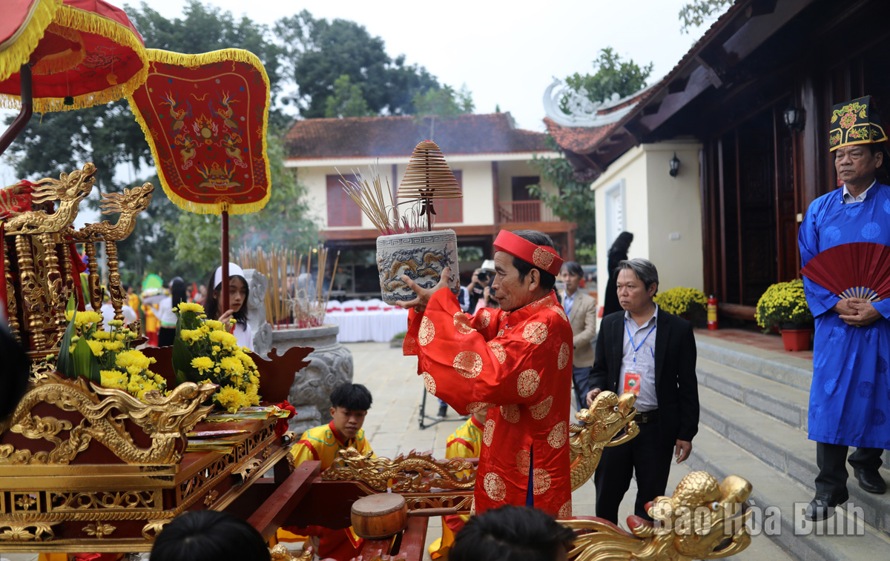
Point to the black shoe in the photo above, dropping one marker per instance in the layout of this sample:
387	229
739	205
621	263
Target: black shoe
443	411
822	506
871	481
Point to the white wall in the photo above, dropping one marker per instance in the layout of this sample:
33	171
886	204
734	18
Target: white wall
662	212
478	199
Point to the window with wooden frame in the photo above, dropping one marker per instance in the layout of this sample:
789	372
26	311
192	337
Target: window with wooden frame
342	211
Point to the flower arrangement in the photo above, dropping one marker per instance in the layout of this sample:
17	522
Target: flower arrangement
783	302
204	350
681	300
105	357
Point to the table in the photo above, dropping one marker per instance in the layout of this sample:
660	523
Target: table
368	325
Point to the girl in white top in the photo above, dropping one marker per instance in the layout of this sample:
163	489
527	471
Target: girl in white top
238	294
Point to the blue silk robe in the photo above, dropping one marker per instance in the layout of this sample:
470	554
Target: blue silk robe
850	392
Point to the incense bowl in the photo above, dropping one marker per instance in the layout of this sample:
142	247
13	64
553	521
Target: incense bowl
421	256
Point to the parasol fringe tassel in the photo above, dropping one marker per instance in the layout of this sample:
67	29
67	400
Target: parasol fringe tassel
17	51
88	22
223	55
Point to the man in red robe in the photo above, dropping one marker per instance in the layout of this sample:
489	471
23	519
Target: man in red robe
516	363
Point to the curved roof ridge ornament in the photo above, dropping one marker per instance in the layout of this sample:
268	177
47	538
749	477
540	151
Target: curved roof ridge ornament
582	111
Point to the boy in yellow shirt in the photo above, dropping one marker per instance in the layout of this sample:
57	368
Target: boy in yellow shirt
349	407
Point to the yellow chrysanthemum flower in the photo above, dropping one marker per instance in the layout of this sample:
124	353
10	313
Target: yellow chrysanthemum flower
190	307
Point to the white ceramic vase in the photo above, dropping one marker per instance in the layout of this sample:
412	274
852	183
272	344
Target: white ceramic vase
419	255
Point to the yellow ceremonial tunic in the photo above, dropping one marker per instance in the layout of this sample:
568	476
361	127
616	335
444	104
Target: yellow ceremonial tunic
323	443
465	442
518	366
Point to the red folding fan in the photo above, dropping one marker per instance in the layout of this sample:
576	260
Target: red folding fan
852	270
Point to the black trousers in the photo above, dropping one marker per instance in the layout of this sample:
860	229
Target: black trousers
648	456
832	462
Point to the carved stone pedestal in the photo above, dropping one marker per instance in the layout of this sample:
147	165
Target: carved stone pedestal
330	364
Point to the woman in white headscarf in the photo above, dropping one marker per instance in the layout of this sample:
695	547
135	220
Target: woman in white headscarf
238	295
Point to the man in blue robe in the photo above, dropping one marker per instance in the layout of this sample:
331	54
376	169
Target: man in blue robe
849	403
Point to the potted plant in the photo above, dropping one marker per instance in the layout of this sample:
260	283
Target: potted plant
688	303
784	305
408	245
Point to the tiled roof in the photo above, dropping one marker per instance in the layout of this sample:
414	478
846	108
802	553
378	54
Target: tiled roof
580	140
376	137
585	140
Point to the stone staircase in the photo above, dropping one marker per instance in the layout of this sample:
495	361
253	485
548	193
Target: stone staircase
753	423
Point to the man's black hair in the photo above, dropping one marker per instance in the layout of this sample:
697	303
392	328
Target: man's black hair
354	397
511	533
548	280
209	535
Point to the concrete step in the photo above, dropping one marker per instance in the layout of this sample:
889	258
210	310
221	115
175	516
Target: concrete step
779	367
784	448
778	502
776	399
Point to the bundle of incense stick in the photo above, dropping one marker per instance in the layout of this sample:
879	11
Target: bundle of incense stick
280	266
374	197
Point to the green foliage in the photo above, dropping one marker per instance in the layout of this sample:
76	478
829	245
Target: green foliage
574	201
346	101
611	75
318	52
682	300
783	302
443	102
698	11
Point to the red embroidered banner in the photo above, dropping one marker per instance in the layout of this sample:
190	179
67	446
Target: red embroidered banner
205	117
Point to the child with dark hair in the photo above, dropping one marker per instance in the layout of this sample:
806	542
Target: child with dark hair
512	533
209	535
239	293
349	407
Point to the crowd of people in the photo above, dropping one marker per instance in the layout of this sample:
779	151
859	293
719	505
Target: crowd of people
520	341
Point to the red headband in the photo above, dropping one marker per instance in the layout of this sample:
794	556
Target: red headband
541	256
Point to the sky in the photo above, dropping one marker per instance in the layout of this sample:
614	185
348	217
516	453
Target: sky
505	53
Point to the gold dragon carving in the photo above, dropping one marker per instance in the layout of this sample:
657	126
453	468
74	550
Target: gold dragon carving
608	422
37	234
703	519
416	472
602	425
165	418
127	205
68	190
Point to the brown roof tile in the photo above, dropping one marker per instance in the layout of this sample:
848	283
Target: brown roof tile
357	137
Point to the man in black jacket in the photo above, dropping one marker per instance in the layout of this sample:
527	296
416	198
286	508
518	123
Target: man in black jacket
651	353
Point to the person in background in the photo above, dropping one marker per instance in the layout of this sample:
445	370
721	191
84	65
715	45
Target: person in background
512	533
209	535
465	442
617	254
166	314
580	307
850	389
349	407
107	311
652	354
136	304
238	295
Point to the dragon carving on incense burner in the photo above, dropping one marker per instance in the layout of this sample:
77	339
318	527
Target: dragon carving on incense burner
703	519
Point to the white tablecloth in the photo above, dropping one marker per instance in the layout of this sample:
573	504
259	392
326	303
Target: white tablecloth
375	325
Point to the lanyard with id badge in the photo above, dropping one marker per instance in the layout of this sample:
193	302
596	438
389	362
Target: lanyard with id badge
633	378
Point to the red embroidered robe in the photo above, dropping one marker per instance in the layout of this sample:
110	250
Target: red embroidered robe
518	365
